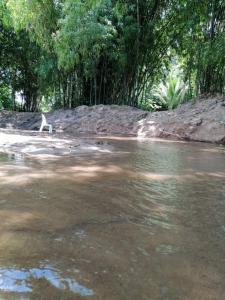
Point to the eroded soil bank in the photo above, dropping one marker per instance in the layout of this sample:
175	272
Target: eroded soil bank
203	120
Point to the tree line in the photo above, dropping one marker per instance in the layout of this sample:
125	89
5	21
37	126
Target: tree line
66	53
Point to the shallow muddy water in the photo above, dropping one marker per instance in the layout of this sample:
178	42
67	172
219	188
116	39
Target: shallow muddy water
145	220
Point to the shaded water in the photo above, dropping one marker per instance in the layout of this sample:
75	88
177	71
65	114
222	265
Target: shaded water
146	221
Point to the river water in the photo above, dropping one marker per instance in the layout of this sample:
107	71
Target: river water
143	220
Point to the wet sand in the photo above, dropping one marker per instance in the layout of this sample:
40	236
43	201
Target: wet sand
33	143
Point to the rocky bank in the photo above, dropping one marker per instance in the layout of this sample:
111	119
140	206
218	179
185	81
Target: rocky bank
203	121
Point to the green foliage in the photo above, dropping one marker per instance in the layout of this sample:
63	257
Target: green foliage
200	41
46	104
151	104
85	32
73	52
39	18
5	99
167	94
103	47
171	93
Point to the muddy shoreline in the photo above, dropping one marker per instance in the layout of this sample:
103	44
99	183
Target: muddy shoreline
43	145
203	121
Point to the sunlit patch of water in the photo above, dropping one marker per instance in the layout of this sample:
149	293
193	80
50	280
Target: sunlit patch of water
23	280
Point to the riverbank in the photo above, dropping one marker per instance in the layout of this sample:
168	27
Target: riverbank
35	144
202	121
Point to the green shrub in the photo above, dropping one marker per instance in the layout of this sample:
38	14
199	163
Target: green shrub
172	92
5	100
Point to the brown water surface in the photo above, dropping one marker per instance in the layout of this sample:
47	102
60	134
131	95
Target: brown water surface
145	220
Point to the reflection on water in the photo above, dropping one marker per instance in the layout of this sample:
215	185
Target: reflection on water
146	221
15	157
20	280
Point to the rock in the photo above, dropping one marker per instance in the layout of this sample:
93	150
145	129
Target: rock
196	122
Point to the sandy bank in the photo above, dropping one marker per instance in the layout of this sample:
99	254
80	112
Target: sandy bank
200	121
43	145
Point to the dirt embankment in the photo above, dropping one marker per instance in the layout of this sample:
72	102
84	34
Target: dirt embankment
200	121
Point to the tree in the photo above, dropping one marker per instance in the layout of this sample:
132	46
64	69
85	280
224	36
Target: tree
201	28
105	50
109	51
